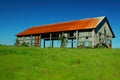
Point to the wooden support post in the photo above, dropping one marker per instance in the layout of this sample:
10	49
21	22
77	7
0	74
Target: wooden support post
37	40
61	35
31	40
71	43
51	40
44	43
40	40
34	40
63	39
52	43
59	39
93	38
23	39
77	39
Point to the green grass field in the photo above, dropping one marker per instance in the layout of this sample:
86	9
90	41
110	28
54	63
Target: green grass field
34	63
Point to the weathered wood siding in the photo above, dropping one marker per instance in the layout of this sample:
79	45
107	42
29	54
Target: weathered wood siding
25	39
85	37
104	34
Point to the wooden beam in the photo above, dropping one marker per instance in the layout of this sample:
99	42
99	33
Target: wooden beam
93	38
40	40
52	43
62	36
51	40
71	43
31	40
77	39
44	44
35	41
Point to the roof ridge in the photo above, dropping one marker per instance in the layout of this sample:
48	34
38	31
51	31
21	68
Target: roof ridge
93	17
45	25
101	18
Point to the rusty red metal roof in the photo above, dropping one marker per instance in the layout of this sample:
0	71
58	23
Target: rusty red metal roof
89	23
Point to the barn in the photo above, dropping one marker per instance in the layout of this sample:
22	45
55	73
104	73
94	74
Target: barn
84	32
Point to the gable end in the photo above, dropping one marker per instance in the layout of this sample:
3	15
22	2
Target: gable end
101	24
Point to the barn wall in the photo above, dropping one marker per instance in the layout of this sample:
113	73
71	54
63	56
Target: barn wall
85	38
104	34
26	39
20	39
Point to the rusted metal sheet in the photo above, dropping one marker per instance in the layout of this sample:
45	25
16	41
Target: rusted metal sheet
64	26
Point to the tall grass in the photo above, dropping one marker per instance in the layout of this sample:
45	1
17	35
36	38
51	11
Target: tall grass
34	63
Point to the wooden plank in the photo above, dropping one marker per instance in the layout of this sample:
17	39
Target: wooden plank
52	43
77	39
51	40
93	38
71	43
44	43
40	40
62	36
31	40
56	38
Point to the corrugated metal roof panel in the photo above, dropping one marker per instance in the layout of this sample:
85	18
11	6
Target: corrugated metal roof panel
64	26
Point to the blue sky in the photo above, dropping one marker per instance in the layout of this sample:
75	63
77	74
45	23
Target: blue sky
18	15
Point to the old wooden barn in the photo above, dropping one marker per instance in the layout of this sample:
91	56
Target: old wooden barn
85	32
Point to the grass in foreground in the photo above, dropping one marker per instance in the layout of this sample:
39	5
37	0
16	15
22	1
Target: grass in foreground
33	63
